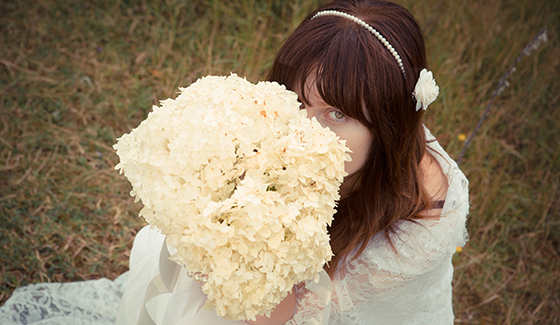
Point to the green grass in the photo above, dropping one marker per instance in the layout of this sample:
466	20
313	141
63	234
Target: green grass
75	75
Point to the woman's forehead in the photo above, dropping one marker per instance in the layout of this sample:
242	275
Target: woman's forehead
311	92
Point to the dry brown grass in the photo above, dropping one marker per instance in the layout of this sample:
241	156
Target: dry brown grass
76	75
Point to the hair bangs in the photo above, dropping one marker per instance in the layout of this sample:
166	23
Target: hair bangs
339	78
352	70
339	61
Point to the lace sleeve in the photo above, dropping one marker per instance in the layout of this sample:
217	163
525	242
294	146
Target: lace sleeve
313	302
308	305
83	302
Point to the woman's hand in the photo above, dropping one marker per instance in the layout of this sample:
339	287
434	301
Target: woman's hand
282	313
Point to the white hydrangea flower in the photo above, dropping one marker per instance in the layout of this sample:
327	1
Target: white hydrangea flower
242	184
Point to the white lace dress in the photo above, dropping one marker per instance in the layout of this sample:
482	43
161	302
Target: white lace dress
412	286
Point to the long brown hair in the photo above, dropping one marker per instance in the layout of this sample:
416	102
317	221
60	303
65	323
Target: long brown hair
355	73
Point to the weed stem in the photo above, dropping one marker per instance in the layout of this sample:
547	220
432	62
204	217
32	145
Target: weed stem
533	45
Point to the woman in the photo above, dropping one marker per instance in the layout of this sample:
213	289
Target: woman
358	68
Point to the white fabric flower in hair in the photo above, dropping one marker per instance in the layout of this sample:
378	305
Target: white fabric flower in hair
426	90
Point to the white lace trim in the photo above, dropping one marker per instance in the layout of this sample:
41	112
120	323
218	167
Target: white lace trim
84	302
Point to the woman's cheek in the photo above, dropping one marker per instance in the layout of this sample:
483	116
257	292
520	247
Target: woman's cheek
359	142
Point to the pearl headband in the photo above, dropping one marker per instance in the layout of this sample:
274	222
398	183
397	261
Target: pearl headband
370	29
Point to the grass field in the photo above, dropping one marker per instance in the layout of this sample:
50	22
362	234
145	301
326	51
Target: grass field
75	75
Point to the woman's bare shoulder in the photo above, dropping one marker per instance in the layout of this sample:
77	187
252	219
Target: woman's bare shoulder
435	183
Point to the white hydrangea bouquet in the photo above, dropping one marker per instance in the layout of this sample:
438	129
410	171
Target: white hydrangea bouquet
242	184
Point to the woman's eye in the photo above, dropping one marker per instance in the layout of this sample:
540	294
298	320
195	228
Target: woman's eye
337	115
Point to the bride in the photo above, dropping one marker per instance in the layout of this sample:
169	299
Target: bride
358	67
